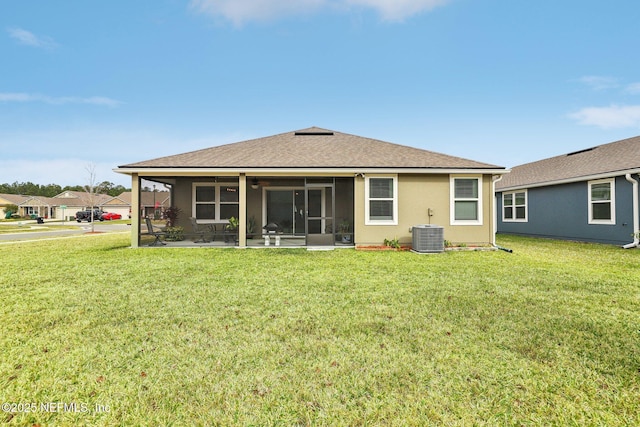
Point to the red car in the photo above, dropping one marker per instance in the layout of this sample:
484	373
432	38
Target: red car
111	215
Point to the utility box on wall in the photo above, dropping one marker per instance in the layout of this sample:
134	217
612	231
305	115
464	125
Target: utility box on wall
427	238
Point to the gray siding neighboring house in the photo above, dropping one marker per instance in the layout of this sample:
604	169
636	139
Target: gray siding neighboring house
589	195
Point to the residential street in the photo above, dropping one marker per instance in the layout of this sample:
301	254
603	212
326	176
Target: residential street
51	230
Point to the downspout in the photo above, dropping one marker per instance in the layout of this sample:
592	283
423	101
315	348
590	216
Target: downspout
636	219
494	213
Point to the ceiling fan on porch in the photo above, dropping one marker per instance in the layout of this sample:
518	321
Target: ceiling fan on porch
256	183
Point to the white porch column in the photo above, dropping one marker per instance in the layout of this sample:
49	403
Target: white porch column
242	214
135	210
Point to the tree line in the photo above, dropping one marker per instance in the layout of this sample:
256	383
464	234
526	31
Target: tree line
51	190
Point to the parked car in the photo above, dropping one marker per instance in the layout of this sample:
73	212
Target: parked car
108	216
86	215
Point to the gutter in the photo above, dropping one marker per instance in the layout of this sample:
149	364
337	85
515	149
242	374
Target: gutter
636	218
276	171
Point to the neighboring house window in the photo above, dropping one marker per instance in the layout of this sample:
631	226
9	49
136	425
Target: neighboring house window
381	207
466	203
215	201
514	206
602	202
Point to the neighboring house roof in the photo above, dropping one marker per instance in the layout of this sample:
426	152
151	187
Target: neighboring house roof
39	201
21	200
126	197
117	201
600	161
311	148
70	198
80	198
69	194
13	199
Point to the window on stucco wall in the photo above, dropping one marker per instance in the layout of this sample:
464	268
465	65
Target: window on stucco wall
381	207
466	201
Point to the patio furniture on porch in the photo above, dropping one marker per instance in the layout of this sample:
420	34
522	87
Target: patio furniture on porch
199	230
278	237
157	234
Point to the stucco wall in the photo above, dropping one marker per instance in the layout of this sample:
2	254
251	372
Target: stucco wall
416	195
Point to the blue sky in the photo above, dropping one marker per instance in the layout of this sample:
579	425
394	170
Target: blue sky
504	82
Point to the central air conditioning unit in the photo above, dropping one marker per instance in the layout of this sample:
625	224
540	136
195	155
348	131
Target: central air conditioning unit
428	238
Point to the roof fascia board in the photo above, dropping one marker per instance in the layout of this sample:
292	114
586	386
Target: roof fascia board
298	171
570	180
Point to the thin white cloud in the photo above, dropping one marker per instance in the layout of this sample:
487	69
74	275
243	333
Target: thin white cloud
15	97
599	82
398	10
26	97
614	116
29	39
241	12
633	88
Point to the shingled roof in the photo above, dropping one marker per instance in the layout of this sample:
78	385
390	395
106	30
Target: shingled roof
612	158
312	148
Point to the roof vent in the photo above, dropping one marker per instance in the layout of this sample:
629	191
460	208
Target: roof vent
581	151
313	133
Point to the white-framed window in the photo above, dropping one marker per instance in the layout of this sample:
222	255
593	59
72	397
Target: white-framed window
514	206
215	201
381	204
602	201
466	200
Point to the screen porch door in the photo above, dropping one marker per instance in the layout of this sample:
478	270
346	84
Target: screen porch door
320	213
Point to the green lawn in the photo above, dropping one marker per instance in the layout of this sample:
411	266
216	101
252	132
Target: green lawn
547	335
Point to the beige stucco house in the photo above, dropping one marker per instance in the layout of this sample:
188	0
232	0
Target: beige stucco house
325	188
61	206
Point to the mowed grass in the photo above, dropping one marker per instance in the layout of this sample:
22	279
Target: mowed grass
547	335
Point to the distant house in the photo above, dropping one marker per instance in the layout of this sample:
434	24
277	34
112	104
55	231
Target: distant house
74	201
324	188
28	206
117	204
589	195
63	205
10	199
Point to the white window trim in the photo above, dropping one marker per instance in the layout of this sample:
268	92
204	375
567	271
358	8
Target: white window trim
452	200
217	201
526	206
367	220
612	221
